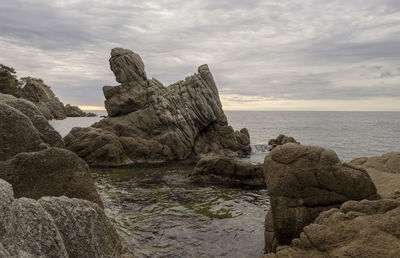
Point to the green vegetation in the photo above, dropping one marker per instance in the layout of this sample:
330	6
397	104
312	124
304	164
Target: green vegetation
9	83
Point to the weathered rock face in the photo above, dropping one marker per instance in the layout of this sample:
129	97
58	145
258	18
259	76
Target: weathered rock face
51	172
55	227
357	229
48	104
47	133
389	162
17	133
303	181
150	123
27	161
384	171
227	171
280	140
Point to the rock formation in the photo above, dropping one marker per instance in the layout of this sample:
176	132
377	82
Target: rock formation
280	140
303	181
50	172
49	105
227	171
384	171
55	227
150	123
357	229
47	133
31	164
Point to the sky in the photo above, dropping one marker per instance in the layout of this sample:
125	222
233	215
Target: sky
264	55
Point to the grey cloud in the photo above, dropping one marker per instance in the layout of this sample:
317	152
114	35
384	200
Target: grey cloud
280	49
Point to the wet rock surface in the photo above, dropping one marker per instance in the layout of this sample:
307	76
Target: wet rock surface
358	229
303	181
150	123
229	172
55	227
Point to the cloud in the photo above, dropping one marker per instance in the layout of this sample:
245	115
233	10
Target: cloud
291	50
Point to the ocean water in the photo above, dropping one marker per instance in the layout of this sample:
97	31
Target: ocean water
159	212
349	134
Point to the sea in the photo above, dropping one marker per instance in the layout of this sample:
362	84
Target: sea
349	134
159	212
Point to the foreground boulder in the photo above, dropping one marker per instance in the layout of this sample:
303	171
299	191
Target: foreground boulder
17	133
30	165
227	171
303	181
384	171
50	172
280	140
357	229
55	227
47	133
36	91
150	123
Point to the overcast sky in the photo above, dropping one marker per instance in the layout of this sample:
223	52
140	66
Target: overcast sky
264	55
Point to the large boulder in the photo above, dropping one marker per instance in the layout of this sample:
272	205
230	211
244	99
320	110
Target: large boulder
303	181
384	171
50	172
150	123
47	133
17	133
357	229
30	165
227	171
55	227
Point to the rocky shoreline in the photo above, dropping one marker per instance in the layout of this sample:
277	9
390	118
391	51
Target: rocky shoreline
49	205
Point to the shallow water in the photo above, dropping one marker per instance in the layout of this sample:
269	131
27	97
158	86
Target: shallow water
160	213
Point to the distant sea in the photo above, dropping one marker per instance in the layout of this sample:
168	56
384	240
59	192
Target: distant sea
349	134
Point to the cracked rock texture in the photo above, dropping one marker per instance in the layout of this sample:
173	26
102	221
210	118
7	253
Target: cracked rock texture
303	181
55	227
358	229
227	171
150	123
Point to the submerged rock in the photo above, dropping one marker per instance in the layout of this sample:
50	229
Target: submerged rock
36	91
280	140
303	181
357	229
227	171
150	123
55	227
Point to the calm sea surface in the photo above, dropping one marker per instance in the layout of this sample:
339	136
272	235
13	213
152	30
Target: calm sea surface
349	134
160	213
